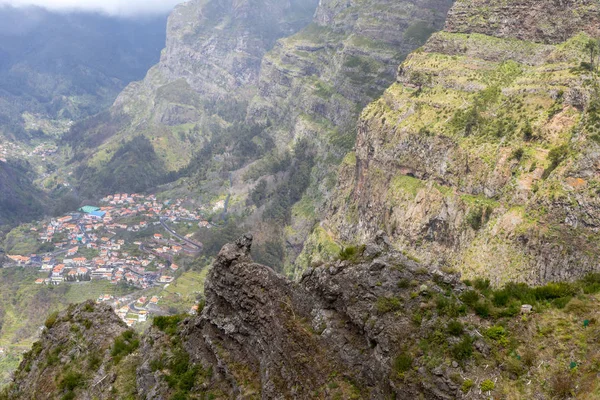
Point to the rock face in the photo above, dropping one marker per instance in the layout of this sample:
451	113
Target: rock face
260	336
486	145
323	336
376	325
313	84
206	76
550	22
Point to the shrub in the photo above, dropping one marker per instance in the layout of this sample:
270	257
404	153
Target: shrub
404	283
487	386
500	298
388	304
52	319
467	385
455	328
517	154
470	297
124	345
556	156
561	385
591	283
482	309
520	291
481	284
515	366
168	324
529	357
527	131
94	362
88	307
69	396
496	333
351	253
475	218
71	381
402	363
464	349
553	291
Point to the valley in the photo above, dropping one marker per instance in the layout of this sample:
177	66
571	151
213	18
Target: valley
311	199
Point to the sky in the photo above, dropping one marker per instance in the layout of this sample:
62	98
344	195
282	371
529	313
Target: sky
111	7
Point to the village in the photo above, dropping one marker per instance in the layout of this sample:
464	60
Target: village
95	242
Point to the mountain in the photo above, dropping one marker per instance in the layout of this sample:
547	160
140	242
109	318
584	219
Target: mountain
484	155
56	68
373	324
194	98
266	119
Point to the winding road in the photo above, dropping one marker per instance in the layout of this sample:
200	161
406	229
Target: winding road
183	238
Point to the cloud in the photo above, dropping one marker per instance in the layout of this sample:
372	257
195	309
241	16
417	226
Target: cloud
111	7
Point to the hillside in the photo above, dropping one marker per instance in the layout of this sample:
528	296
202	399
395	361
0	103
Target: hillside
267	119
20	200
194	99
57	68
373	324
483	156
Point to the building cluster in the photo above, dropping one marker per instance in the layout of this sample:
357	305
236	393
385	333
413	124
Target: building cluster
9	150
131	309
89	244
44	150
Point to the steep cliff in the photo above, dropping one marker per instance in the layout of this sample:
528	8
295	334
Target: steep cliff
312	85
206	76
228	96
373	324
484	155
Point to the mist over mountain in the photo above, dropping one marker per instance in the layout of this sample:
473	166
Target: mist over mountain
67	66
122	8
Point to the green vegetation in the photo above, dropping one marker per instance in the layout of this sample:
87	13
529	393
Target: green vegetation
124	345
69	383
51	321
168	324
466	385
487	385
463	350
181	375
388	304
455	328
351	253
134	167
402	363
556	156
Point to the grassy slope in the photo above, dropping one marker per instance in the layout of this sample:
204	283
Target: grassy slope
478	97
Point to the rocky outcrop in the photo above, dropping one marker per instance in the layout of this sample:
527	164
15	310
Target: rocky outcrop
549	22
373	324
323	336
485	145
73	356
